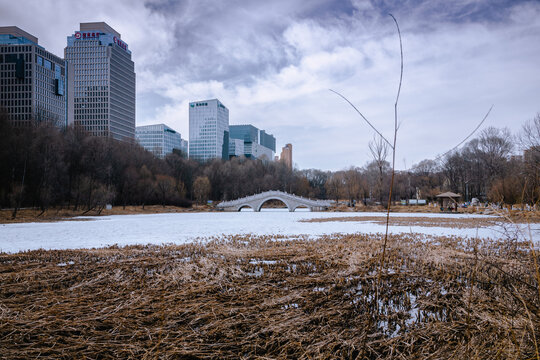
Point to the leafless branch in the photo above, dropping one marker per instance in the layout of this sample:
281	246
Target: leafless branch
468	136
363	117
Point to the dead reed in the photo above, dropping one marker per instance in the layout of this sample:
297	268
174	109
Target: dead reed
459	223
247	297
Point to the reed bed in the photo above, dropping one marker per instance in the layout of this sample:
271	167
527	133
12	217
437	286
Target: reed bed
396	220
263	297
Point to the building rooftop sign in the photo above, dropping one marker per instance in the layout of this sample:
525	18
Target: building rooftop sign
98	31
87	35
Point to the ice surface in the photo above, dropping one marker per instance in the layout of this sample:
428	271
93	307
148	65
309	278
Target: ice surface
180	228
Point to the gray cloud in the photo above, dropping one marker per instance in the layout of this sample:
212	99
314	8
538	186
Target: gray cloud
272	63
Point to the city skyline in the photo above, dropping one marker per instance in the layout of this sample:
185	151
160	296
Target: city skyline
274	68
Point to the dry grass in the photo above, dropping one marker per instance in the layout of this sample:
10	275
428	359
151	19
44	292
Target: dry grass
61	214
262	297
460	223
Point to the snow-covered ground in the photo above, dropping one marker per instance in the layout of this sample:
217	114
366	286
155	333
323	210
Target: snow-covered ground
178	228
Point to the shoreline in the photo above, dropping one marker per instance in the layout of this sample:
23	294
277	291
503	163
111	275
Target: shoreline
31	215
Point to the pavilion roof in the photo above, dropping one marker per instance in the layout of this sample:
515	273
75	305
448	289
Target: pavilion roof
448	194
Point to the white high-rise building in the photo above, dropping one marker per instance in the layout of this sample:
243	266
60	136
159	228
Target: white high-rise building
101	82
208	130
160	139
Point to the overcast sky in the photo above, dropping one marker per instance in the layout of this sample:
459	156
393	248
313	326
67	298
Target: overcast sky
271	62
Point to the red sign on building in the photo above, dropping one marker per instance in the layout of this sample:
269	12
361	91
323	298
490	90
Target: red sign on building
120	43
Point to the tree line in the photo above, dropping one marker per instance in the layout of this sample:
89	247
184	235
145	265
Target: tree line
496	166
42	166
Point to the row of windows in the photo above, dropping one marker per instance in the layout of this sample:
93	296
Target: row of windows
16	109
90	111
90	47
28	49
91	77
84	61
49	56
15	48
87	83
10	73
47	65
12	103
90	105
90	100
91	117
14	81
20	117
89	70
51	108
14	95
94	122
12	58
11	66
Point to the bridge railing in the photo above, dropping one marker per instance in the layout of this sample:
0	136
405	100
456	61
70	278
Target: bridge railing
274	193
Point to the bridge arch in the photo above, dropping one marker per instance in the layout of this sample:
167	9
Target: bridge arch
245	206
284	201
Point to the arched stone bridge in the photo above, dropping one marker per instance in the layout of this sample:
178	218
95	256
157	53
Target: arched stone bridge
256	202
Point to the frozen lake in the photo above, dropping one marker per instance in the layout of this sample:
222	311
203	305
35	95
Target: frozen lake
178	228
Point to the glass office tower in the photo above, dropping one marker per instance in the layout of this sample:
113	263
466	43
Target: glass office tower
257	143
32	80
101	89
159	139
208	130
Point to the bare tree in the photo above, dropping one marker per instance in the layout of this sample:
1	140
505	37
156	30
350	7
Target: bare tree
530	143
165	188
201	189
529	138
334	186
379	151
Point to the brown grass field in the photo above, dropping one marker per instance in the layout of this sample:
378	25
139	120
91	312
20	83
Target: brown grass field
63	214
272	298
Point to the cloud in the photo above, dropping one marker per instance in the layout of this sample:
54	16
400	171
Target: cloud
272	64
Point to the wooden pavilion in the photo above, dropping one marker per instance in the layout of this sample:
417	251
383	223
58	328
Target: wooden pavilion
448	200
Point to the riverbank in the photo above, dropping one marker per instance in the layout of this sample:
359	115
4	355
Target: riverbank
66	214
268	297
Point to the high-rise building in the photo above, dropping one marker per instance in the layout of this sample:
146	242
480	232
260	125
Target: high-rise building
208	130
248	133
101	82
32	80
286	155
160	139
267	140
257	143
236	147
184	147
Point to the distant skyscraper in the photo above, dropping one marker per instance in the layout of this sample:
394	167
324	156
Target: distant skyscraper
32	80
236	147
286	155
184	147
257	143
101	82
208	130
248	133
267	140
160	139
